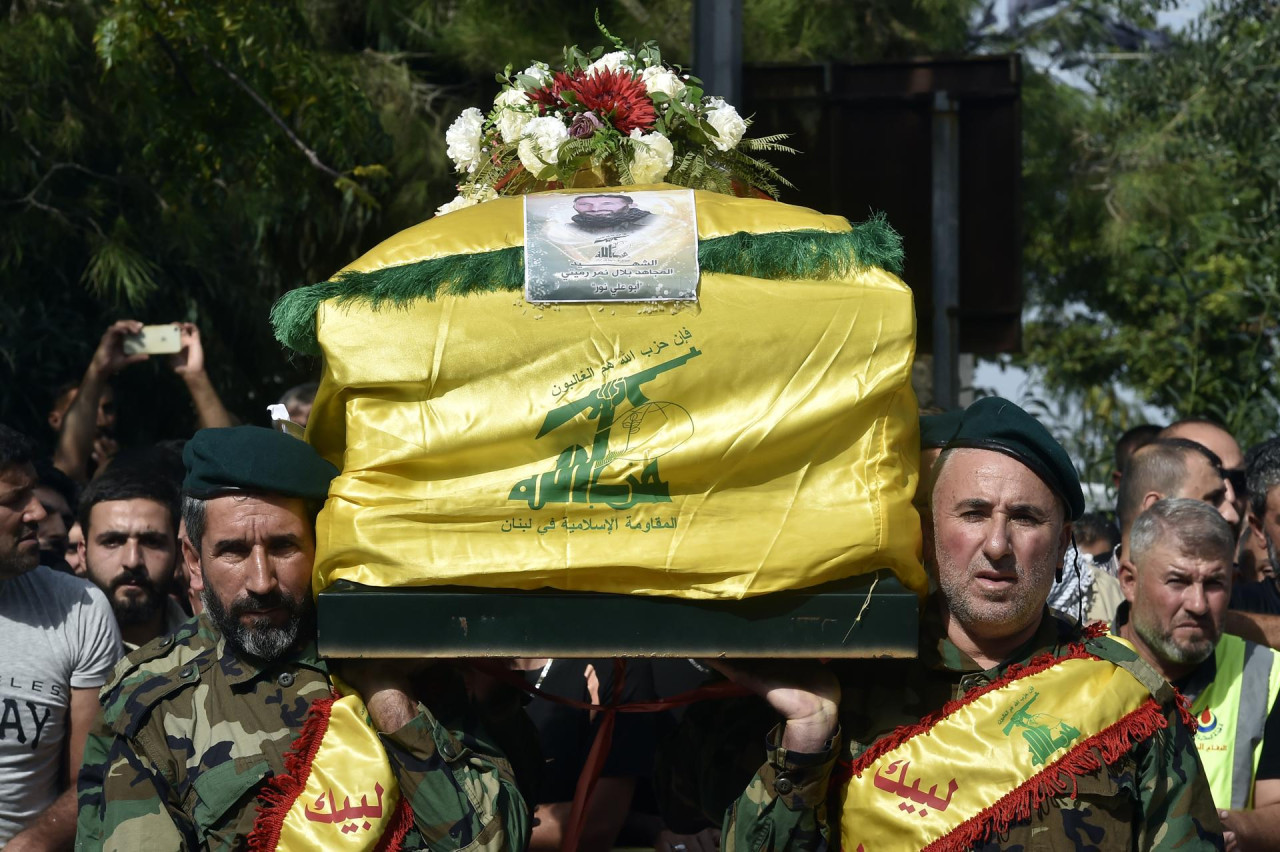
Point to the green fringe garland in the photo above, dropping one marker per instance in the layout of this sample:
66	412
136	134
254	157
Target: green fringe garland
805	254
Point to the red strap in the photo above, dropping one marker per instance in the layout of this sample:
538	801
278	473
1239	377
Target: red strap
604	734
595	763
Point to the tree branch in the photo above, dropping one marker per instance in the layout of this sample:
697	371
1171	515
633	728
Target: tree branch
30	197
172	55
311	155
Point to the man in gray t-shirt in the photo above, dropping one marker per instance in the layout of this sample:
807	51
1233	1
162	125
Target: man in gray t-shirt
59	641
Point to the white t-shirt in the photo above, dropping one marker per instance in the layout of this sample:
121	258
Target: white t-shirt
57	632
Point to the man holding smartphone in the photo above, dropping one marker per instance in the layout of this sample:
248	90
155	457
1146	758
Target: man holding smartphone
83	440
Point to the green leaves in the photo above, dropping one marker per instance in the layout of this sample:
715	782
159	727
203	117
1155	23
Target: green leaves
609	37
1159	220
193	164
118	271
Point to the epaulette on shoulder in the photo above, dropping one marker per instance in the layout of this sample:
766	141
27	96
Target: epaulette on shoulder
154	672
1122	654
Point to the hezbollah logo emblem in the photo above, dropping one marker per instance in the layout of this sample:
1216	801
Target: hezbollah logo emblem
652	429
1045	734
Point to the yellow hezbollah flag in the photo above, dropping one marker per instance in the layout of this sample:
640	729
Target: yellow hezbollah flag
763	438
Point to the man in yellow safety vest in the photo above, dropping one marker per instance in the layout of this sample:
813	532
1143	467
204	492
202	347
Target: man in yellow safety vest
1176	579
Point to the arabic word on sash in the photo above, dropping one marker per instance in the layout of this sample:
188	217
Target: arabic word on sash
352	818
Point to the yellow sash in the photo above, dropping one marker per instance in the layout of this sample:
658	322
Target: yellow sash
339	791
990	759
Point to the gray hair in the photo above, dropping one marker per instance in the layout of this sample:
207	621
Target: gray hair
193	512
1194	525
193	515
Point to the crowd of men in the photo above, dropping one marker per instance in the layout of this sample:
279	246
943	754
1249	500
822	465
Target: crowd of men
160	662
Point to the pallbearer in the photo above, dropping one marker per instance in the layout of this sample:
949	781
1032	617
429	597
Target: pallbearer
1013	730
230	731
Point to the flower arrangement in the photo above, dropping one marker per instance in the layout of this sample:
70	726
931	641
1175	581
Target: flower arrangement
613	118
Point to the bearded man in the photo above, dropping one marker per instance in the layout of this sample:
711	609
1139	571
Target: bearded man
1014	729
1177	581
129	518
608	212
201	728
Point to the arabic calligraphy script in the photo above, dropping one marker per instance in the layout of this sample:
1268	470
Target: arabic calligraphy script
911	794
607	525
353	817
652	429
559	389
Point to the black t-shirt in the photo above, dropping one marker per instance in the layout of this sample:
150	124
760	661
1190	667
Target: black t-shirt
1269	760
566	733
1262	597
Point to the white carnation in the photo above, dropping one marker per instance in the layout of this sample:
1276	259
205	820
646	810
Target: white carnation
540	145
725	119
539	71
463	139
511	113
468	198
610	62
652	156
659	79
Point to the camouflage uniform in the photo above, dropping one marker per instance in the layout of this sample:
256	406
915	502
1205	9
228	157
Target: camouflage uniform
190	732
1154	797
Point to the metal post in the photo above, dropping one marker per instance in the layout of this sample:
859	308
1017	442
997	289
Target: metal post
717	47
946	250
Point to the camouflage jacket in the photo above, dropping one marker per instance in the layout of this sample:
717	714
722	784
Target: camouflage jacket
189	733
1154	797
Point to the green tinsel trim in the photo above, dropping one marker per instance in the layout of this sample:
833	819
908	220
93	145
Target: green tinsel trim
805	254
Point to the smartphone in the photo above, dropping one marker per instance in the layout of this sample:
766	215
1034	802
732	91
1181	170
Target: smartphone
154	340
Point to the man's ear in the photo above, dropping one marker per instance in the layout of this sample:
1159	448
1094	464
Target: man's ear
1128	577
1149	498
191	560
1064	542
84	566
1255	526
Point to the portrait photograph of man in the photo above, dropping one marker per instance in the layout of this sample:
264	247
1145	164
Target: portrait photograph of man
611	246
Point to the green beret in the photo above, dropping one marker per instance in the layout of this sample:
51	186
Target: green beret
937	430
254	459
997	424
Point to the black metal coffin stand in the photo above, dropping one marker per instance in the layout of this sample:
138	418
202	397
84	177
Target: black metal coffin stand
866	616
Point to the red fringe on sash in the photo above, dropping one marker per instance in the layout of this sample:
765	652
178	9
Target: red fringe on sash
393	838
282	791
1016	671
1087	756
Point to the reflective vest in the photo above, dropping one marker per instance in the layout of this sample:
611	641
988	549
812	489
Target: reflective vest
1230	716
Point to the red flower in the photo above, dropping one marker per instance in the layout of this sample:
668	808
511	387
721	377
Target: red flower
548	97
616	96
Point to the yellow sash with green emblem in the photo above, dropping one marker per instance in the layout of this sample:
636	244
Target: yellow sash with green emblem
990	759
338	792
